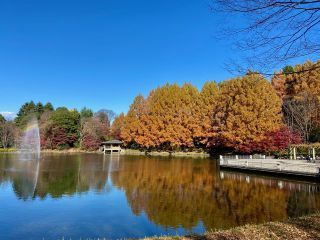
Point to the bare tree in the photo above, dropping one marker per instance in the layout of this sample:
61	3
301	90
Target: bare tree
301	114
106	112
272	32
7	134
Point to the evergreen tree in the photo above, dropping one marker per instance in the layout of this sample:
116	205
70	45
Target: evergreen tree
25	114
48	107
86	113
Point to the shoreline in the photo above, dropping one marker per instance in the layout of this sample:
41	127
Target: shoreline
123	152
303	228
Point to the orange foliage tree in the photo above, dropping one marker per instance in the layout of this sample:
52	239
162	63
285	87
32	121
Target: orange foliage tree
131	129
244	110
300	90
116	126
203	131
166	119
299	80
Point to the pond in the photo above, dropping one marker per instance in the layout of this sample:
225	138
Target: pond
87	196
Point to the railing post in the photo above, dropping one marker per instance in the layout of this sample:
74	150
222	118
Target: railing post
313	154
279	166
237	157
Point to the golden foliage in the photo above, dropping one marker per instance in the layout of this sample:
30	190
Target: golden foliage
203	130
132	121
116	126
244	110
305	78
236	112
165	119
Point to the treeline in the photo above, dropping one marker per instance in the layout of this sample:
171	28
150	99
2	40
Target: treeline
59	128
245	114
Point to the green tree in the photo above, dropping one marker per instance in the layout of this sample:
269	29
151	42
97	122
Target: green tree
63	128
39	109
48	107
26	112
2	119
86	113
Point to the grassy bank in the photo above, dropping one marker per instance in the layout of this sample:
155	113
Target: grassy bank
5	150
166	153
298	228
124	152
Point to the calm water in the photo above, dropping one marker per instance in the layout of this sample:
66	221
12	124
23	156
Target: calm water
90	196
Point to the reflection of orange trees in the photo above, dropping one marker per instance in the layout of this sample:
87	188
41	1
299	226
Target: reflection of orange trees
184	192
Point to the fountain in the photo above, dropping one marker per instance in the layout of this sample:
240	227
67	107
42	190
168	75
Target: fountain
30	144
29	165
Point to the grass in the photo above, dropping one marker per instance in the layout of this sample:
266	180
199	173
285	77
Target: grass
298	228
8	150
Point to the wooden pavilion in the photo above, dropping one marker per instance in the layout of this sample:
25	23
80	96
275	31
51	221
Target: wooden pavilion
112	146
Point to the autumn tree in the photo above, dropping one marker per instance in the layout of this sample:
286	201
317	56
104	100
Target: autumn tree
299	88
132	122
245	109
300	80
205	104
93	132
117	125
167	120
276	141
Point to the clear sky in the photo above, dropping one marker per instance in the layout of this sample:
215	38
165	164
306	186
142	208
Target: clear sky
102	53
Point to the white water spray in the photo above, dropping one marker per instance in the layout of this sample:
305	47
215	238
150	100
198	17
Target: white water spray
30	144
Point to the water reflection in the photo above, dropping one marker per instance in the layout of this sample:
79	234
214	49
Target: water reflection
173	193
56	175
186	192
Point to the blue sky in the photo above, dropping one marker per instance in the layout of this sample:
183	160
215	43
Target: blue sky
102	53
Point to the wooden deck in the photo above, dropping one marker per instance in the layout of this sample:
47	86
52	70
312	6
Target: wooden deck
278	166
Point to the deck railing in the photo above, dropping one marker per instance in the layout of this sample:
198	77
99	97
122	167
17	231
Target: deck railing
260	162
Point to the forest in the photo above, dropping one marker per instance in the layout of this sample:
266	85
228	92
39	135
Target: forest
247	114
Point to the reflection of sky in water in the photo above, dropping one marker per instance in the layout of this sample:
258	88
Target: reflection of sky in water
72	217
92	196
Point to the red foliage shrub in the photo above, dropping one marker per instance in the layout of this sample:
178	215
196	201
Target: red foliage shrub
273	142
90	142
